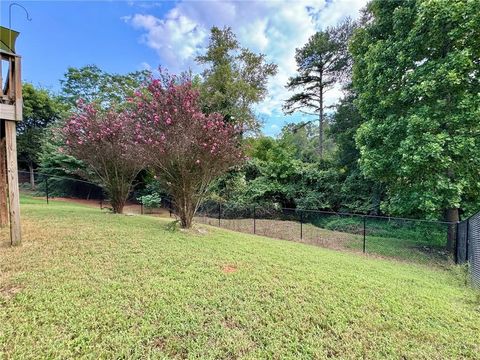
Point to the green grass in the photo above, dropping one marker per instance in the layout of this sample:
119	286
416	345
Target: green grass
407	240
88	284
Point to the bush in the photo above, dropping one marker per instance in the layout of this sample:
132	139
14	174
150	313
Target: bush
150	201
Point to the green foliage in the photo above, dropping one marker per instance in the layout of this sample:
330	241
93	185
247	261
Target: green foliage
302	138
416	73
235	78
54	160
358	193
58	166
40	109
275	177
94	85
150	201
345	123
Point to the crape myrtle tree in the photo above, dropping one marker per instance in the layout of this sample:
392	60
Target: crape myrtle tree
104	141
185	148
417	75
94	86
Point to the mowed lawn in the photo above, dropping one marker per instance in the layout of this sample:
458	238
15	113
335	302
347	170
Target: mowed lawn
88	284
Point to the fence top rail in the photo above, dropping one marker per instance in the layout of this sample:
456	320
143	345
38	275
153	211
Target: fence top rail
373	216
60	177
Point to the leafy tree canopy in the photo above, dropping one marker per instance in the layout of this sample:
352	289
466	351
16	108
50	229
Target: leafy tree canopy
95	85
234	79
40	109
416	71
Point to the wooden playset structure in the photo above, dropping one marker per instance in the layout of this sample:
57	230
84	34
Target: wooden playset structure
11	105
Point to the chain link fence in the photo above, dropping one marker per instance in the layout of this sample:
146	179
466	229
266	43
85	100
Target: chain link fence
69	188
468	246
419	241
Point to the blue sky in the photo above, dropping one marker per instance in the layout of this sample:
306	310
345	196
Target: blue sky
123	36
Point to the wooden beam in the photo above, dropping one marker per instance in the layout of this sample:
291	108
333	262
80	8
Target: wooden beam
12	178
18	89
8	112
10	79
1	77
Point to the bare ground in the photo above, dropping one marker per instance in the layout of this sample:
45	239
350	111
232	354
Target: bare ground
287	230
129	209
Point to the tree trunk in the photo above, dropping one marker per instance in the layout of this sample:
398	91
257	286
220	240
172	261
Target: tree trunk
117	206
32	176
320	121
185	220
185	207
118	197
453	218
186	214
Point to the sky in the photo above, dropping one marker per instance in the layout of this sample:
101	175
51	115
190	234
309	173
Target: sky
124	36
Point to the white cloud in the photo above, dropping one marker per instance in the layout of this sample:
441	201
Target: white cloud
275	28
176	38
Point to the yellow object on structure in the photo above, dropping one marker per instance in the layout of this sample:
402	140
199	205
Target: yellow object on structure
7	39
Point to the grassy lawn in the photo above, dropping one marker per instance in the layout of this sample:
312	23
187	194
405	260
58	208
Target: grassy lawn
90	284
416	242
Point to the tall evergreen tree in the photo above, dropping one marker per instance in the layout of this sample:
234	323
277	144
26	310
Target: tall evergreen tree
321	63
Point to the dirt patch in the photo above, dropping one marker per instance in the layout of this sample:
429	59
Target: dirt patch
228	269
9	291
159	343
129	209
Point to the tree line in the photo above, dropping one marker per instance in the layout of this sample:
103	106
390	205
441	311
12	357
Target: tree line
402	140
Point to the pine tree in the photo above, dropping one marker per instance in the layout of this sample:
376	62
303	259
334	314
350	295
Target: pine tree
321	63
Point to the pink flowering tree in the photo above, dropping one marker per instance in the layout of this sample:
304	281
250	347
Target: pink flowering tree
105	142
186	148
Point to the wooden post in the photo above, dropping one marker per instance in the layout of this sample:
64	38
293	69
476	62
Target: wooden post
11	108
3	181
12	178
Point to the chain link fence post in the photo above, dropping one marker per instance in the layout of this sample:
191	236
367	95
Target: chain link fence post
46	188
301	225
254	220
364	234
219	214
467	240
457	243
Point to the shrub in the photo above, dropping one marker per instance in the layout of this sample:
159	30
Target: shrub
150	201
